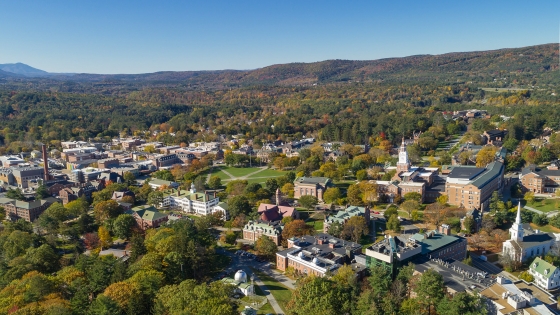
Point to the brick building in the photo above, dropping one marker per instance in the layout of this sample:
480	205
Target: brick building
540	181
254	229
472	187
147	217
321	254
27	210
314	186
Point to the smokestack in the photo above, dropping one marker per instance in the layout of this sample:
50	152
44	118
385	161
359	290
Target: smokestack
45	162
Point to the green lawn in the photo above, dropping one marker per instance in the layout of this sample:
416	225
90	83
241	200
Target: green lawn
547	228
269	173
549	204
281	293
240	171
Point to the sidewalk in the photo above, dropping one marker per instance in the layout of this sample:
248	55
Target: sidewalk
267	293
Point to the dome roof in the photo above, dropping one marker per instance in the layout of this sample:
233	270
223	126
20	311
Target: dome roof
240	276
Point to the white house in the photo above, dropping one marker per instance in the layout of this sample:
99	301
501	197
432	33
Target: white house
546	275
190	201
525	242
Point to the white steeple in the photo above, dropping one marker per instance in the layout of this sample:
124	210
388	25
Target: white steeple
404	164
193	189
516	229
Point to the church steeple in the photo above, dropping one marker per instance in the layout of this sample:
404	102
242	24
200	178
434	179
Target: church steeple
516	229
404	164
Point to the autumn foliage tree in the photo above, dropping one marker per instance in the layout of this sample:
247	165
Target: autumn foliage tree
296	228
355	228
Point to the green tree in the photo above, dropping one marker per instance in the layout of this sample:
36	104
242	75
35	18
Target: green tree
155	198
215	182
335	229
190	298
409	206
529	197
525	275
122	227
42	192
319	295
430	289
16	194
462	303
468	224
331	195
392	210
106	210
415	215
266	247
413	196
238	205
355	228
394	224
43	258
361	175
129	178
308	201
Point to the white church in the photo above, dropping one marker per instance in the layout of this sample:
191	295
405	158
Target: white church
526	243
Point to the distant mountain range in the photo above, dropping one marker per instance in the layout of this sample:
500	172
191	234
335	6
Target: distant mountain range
528	60
22	69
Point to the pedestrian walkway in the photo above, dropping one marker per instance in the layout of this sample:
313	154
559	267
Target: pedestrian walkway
533	210
267	293
284	280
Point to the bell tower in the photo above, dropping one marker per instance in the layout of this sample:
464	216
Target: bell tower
404	164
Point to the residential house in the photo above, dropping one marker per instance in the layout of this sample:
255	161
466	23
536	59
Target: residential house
494	137
546	275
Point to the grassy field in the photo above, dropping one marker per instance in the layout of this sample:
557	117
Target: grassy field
547	228
544	205
281	293
259	177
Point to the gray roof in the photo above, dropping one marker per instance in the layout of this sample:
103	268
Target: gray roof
312	180
494	169
466	172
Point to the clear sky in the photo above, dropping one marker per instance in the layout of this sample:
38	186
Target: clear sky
138	36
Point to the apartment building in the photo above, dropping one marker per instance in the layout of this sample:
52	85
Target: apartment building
472	187
540	181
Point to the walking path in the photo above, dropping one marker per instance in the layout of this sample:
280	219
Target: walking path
228	174
268	295
533	210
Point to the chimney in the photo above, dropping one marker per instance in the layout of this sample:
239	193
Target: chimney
45	162
215	195
331	245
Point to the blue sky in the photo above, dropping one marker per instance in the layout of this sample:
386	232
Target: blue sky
147	36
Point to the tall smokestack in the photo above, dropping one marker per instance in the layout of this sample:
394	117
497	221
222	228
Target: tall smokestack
45	162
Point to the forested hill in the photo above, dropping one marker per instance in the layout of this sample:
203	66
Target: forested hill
476	66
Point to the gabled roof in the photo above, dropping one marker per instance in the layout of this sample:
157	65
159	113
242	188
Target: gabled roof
542	267
146	212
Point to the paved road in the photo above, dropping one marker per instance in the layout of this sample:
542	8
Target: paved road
485	265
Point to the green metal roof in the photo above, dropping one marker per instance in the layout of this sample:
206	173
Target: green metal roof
347	213
147	212
542	267
435	241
